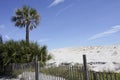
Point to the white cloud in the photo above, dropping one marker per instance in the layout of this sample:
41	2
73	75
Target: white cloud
2	26
7	37
62	10
113	30
44	40
56	2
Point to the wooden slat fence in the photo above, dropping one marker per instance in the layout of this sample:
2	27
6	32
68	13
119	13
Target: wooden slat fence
26	71
77	73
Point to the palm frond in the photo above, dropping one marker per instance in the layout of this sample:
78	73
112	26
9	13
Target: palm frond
19	12
26	16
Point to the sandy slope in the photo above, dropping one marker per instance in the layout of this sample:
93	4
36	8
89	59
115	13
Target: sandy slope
108	54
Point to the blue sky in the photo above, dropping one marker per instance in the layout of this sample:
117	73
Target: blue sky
66	23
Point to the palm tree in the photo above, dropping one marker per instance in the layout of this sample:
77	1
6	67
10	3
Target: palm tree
26	17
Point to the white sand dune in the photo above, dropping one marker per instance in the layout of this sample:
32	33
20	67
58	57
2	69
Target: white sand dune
108	54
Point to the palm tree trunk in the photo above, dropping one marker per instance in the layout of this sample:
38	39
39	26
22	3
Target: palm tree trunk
27	35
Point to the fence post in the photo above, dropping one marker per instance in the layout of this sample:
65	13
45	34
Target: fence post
85	68
94	76
36	68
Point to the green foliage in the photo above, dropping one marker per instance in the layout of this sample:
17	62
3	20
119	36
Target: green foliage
17	52
118	75
26	16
